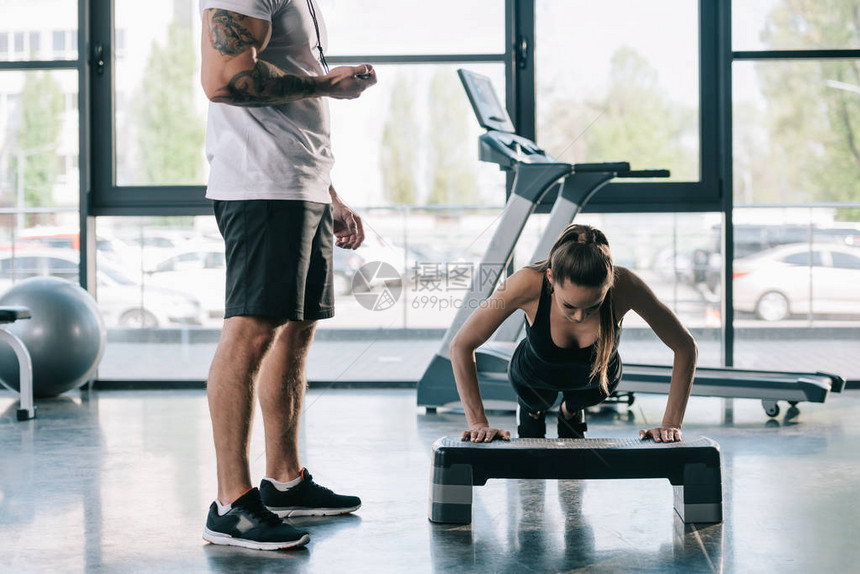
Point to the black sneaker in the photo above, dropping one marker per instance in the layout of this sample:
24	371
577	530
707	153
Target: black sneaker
250	525
528	426
574	427
306	499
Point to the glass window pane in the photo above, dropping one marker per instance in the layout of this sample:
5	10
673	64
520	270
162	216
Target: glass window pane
795	25
846	261
382	27
38	245
29	24
795	126
627	89
799	317
36	130
678	256
413	139
59	41
34	44
160	107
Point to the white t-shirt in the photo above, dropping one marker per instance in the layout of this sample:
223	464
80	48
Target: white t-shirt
274	152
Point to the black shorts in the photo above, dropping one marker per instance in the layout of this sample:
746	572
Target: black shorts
279	258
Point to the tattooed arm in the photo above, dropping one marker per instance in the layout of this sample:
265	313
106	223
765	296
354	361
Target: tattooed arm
233	74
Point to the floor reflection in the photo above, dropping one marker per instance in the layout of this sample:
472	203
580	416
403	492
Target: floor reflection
120	482
63	446
527	535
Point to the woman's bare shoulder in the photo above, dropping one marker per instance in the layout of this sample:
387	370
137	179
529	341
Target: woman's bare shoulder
626	286
626	279
523	286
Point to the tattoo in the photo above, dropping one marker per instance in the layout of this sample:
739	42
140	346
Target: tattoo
265	85
227	34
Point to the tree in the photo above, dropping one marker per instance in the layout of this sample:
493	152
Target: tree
634	121
813	113
452	176
41	123
398	154
170	132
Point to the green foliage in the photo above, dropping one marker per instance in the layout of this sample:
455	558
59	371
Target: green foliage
813	107
452	176
398	157
170	133
41	122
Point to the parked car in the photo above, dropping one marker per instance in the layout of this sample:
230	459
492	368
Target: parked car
202	271
122	301
796	279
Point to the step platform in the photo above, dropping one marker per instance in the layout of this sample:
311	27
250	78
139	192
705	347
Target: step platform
691	466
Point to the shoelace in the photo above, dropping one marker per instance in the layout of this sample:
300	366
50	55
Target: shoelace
310	482
262	514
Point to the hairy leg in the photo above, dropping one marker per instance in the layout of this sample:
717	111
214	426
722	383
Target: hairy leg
230	390
282	384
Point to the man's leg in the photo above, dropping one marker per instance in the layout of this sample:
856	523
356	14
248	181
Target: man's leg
282	384
230	390
239	517
288	489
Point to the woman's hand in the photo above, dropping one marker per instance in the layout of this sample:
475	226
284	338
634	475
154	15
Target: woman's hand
662	434
485	434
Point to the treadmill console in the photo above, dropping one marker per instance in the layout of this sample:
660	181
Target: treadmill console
501	144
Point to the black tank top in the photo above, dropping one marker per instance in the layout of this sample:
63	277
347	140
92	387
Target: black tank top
539	362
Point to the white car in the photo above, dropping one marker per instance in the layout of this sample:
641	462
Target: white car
123	302
201	271
798	279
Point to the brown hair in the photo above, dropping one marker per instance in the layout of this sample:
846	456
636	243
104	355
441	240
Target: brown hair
581	255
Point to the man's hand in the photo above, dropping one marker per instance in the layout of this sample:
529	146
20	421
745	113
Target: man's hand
346	82
485	434
662	434
348	229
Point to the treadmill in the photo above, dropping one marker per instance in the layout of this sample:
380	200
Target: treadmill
541	179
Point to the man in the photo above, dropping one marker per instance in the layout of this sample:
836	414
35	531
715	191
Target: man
268	144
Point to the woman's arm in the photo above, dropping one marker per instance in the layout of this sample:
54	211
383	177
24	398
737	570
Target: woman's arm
478	328
633	294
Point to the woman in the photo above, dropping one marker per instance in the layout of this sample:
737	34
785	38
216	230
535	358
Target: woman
574	302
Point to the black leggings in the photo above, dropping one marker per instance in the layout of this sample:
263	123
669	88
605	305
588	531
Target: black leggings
541	399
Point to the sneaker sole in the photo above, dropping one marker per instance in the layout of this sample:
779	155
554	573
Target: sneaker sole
288	512
227	540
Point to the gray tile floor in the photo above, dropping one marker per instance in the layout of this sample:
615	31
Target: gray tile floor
119	481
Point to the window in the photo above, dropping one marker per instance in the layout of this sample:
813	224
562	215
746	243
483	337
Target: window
620	91
414	27
622	79
37	132
777	25
160	118
34	44
793	131
845	260
59	41
804	259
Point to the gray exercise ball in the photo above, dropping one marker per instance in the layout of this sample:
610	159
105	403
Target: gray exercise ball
65	337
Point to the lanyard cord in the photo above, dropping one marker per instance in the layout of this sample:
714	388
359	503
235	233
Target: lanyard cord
319	40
